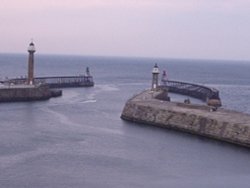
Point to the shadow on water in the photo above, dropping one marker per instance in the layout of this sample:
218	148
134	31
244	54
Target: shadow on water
183	137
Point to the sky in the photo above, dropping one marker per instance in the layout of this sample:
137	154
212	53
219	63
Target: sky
194	29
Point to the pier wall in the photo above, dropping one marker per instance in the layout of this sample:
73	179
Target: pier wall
27	93
223	124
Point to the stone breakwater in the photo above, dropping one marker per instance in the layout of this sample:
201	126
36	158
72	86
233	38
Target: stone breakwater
27	93
224	125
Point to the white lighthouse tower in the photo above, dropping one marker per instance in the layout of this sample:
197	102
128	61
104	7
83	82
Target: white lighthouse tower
155	77
31	50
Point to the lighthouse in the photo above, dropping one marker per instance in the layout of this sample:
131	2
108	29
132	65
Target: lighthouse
155	75
31	50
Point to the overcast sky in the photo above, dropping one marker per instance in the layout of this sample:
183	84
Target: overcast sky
207	29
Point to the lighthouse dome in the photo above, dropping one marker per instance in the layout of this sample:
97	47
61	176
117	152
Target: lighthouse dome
31	47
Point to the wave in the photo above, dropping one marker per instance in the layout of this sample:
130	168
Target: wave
89	101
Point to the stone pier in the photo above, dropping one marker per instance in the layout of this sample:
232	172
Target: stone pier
14	93
222	124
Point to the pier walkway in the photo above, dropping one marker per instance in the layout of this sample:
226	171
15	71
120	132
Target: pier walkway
193	90
56	81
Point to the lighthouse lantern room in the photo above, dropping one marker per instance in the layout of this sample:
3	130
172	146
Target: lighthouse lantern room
155	77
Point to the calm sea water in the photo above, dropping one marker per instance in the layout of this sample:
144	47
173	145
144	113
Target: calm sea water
79	140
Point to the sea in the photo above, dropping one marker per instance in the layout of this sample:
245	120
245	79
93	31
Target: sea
78	140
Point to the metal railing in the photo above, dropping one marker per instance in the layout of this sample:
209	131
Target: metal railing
193	90
56	81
